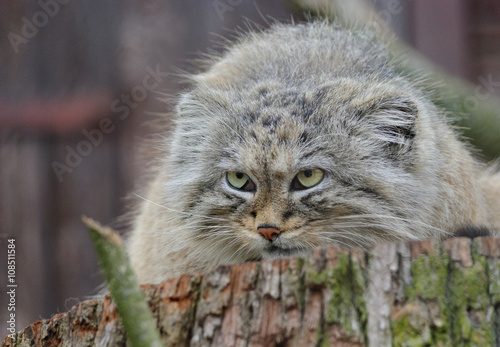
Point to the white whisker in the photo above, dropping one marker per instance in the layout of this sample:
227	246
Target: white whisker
181	212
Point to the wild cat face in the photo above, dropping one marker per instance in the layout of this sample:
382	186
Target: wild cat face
280	170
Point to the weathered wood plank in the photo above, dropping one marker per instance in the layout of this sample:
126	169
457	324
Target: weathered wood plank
406	294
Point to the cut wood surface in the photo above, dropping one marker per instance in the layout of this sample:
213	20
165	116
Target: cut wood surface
402	294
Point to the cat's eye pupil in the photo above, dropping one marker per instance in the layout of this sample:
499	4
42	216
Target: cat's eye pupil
240	180
307	178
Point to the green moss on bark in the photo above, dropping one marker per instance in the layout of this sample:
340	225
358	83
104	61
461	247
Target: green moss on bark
346	305
452	304
408	332
468	302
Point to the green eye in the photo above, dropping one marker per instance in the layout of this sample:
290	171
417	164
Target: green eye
308	178
240	180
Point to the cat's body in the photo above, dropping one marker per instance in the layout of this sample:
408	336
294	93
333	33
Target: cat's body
298	137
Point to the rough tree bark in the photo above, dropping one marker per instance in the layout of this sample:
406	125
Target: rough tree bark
404	294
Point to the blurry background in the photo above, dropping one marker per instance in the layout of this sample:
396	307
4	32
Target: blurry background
78	81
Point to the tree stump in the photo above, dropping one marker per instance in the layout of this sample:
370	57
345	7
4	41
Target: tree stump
401	294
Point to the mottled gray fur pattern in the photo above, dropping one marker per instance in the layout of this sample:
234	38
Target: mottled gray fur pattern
309	96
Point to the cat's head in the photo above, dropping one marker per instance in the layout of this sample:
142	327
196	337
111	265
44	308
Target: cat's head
272	170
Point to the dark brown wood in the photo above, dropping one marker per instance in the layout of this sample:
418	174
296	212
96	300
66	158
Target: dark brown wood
484	42
440	33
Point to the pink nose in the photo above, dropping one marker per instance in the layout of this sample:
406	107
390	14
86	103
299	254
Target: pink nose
269	233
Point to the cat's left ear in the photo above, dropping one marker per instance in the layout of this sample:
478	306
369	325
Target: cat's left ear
393	122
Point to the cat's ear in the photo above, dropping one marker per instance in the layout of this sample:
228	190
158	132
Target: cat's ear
392	121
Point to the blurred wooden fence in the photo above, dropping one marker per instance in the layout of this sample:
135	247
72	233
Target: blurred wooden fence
65	67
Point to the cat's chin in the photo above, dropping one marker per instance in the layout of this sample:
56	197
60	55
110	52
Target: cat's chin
273	251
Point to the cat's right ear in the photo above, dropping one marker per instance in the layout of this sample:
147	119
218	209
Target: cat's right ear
392	121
